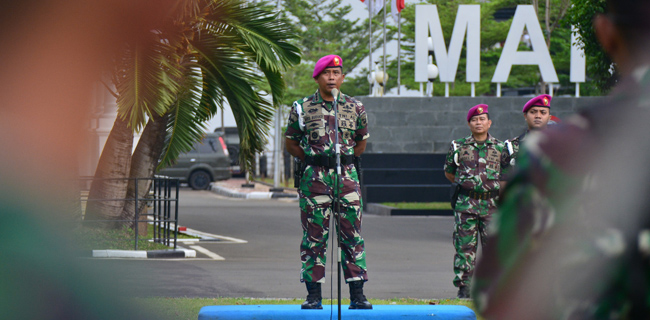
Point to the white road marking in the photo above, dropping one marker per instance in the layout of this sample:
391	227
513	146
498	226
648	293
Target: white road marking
208	253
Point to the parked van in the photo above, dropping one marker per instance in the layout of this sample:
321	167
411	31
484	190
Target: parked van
208	161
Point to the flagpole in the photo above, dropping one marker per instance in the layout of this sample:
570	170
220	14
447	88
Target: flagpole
384	64
399	51
370	41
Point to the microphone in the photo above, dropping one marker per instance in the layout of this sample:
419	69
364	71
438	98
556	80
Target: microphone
335	93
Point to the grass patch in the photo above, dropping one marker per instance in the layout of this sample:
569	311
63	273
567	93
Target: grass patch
188	308
419	205
90	238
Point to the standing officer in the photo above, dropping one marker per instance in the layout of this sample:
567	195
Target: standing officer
537	113
572	237
474	163
310	136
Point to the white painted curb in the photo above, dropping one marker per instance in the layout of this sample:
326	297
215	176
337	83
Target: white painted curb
259	195
140	254
120	254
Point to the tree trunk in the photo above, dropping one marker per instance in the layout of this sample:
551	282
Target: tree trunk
110	177
143	165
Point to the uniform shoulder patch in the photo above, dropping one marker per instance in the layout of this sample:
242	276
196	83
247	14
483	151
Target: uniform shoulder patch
303	100
460	141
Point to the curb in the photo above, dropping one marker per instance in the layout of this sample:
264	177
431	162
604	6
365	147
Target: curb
382	210
250	195
141	254
377	209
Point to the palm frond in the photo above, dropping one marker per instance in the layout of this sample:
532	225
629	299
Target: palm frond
266	37
145	80
237	47
238	80
183	128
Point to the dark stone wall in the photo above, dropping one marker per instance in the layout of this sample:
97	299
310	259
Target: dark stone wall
427	125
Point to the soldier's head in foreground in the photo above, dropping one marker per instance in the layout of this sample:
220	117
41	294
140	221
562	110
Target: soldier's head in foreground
623	33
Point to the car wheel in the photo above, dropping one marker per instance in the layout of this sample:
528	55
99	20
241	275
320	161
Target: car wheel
199	180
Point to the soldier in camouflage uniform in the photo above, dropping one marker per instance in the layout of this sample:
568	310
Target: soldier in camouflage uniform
474	163
537	114
572	236
310	136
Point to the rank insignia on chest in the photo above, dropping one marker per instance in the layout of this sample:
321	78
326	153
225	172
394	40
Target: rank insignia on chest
493	156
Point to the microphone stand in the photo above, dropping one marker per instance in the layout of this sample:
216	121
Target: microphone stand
337	194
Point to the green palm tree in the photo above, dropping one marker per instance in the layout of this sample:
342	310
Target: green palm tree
209	53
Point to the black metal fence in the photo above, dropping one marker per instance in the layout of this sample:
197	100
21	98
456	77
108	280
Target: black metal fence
160	209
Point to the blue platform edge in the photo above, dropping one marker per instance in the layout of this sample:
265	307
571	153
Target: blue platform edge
293	312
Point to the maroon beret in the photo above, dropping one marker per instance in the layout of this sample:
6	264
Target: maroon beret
331	60
539	101
476	110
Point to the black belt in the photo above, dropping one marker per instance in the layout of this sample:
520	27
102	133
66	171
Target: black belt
479	195
328	161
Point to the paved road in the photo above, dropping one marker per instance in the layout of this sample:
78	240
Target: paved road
406	256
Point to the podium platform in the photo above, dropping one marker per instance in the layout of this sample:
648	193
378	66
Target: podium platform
293	312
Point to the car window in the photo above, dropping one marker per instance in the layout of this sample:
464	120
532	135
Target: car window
209	145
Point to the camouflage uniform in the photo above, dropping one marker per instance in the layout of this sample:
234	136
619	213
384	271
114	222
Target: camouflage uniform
478	170
575	217
511	151
317	185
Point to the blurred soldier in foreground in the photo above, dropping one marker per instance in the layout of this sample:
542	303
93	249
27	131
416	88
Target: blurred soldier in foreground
474	164
310	136
58	51
572	238
537	113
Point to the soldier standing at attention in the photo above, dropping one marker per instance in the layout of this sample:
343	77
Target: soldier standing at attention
310	136
537	113
474	163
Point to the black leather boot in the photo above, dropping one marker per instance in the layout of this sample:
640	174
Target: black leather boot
357	299
314	297
463	292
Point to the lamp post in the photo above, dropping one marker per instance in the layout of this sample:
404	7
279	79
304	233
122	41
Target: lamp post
432	74
381	77
430	70
371	81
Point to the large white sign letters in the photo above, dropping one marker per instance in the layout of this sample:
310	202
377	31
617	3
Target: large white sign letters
467	26
525	19
468	20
